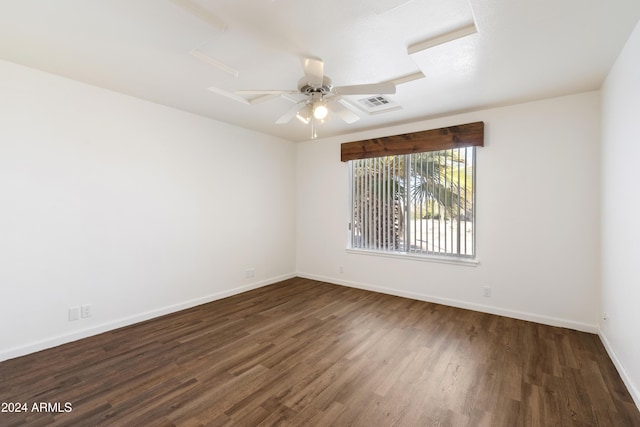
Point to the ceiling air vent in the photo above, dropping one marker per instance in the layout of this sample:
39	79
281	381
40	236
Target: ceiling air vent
377	104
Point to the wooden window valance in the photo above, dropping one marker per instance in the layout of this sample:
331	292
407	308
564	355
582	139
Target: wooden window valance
467	135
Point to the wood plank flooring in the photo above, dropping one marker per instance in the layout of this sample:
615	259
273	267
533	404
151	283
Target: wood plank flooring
307	353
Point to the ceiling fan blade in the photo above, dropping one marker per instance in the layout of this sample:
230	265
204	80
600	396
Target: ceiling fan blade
264	92
367	89
343	112
290	114
313	71
263	98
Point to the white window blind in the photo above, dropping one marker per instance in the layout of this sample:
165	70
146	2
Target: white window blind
421	203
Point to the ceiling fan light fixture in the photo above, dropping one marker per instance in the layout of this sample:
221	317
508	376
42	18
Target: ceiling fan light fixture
305	114
320	110
303	119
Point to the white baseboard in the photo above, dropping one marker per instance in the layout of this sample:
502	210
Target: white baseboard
631	387
531	317
109	326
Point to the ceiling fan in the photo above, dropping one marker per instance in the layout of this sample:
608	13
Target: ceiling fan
320	96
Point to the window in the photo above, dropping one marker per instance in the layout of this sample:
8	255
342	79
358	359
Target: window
413	193
420	203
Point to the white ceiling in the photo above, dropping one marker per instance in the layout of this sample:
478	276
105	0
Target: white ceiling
523	50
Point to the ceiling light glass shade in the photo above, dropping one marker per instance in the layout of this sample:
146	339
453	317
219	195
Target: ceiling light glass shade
320	110
303	119
305	114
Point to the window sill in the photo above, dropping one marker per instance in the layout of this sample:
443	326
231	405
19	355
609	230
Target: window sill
469	262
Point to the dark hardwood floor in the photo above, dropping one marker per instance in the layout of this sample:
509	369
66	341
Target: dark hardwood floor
306	353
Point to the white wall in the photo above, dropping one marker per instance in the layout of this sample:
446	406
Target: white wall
132	207
537	217
620	213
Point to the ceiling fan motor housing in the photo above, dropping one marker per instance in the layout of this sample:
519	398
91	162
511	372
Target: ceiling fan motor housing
305	87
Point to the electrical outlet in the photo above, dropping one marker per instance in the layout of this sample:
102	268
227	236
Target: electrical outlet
249	273
74	313
85	311
341	269
486	292
605	316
